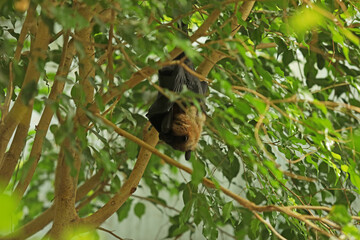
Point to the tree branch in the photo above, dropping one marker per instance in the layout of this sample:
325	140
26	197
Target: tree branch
206	66
47	115
47	216
151	138
12	157
16	114
65	182
268	225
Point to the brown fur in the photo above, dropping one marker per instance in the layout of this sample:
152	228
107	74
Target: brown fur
188	124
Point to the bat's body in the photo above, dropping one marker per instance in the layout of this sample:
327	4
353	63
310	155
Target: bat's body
179	128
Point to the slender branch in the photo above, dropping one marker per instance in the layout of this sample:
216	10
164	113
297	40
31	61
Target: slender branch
47	115
110	65
29	22
156	202
256	133
268	225
129	187
9	92
302	157
12	157
206	66
19	109
110	232
324	220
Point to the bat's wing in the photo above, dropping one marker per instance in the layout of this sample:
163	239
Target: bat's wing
193	83
172	77
197	86
160	113
204	87
160	110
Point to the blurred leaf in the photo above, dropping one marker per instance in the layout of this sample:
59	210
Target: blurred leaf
227	210
123	212
340	214
69	18
198	172
9	215
139	210
186	212
305	19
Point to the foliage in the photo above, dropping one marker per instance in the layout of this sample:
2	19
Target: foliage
282	130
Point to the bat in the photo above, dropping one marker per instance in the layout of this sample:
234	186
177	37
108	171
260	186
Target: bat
180	128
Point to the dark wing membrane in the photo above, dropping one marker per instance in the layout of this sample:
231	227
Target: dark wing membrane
167	75
160	113
193	83
197	86
204	87
172	77
159	110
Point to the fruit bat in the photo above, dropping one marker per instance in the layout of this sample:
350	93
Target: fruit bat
180	128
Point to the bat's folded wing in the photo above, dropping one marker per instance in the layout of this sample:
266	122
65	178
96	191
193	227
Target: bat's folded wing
161	109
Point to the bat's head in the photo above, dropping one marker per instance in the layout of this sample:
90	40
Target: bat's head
185	131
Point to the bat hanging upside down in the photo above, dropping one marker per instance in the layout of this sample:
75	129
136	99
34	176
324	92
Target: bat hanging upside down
178	127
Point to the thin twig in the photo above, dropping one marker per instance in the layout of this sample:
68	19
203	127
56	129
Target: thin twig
302	157
110	232
269	225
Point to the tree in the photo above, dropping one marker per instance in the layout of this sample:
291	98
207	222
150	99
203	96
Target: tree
280	151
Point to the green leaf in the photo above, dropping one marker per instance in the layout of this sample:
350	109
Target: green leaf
139	209
351	231
186	212
124	210
258	104
69	18
320	106
344	168
354	176
305	19
198	171
9	216
339	214
254	226
78	94
336	156
227	211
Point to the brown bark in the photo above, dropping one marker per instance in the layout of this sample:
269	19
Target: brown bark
66	183
11	158
16	114
13	155
47	115
28	24
65	187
